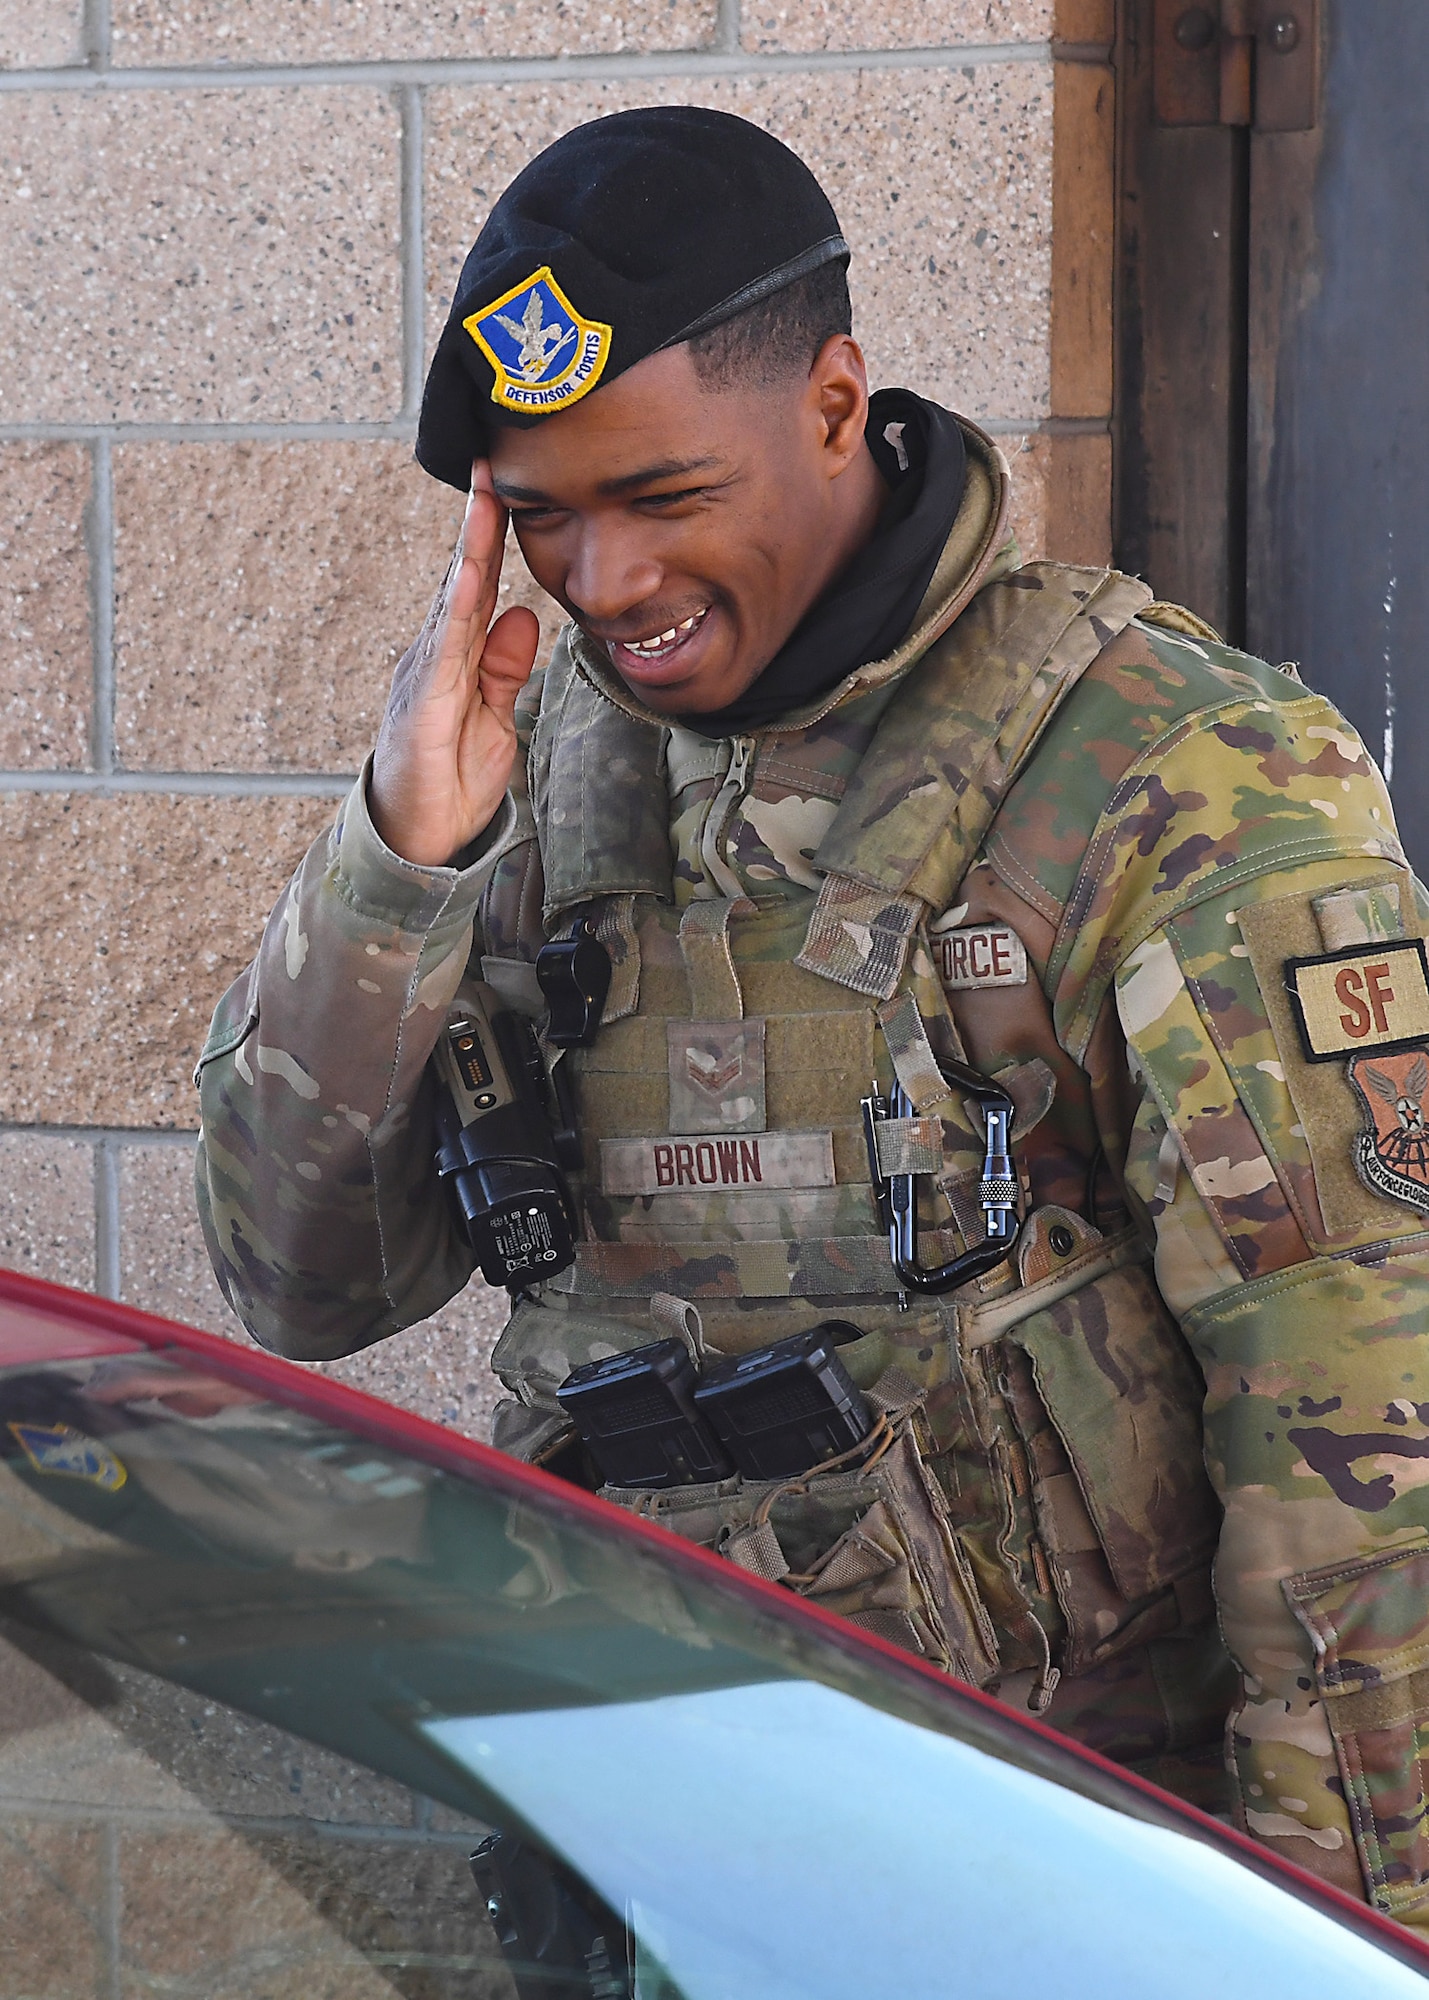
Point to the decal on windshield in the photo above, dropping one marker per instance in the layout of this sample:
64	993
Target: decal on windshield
55	1448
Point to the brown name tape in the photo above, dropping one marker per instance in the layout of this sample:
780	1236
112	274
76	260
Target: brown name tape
1366	997
677	1166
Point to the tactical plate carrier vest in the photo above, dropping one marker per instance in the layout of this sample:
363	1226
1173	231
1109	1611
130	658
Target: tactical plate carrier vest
1042	1503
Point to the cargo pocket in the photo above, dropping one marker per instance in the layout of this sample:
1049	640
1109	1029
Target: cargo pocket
1108	1399
873	1544
1366	1623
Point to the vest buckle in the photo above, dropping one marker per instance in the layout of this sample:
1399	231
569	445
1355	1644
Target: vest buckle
574	976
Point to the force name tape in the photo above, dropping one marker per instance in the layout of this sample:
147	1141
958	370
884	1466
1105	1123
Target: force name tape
979	955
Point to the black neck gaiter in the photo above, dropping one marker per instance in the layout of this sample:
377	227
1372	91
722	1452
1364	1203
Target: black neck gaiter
918	448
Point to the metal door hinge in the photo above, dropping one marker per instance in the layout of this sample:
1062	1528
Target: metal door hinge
1238	62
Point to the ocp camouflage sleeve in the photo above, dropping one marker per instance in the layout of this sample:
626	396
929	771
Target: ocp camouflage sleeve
1303	1292
316	1185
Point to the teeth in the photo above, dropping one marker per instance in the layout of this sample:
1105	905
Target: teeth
665	639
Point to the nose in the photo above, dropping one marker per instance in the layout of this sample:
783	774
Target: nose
610	573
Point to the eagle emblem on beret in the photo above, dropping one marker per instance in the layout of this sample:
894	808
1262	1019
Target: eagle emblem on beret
543	353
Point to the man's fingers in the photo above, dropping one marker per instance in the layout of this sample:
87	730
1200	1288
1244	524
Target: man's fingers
452	645
483	528
483	533
508	658
468	596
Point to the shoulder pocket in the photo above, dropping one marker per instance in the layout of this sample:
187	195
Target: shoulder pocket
234	1019
1366	1622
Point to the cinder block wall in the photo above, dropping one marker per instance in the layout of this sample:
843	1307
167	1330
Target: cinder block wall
229	230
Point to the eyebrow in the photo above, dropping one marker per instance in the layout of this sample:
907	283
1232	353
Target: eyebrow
628	482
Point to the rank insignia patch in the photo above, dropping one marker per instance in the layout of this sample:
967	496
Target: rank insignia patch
1368	997
543	352
1392	1155
55	1448
716	1076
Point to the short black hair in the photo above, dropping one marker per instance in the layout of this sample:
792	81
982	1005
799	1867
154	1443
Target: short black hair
777	336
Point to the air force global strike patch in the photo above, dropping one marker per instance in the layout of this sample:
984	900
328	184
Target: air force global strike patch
55	1448
1392	1153
543	353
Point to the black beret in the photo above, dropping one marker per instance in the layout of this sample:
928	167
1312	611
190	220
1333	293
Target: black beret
627	235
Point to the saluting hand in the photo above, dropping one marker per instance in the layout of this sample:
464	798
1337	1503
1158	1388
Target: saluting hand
448	738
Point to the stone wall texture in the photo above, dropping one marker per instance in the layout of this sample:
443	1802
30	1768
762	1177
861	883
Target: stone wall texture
229	236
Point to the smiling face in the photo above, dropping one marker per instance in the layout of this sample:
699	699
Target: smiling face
688	528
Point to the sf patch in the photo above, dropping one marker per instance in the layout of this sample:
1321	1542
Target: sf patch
542	352
1367	997
1371	1003
56	1449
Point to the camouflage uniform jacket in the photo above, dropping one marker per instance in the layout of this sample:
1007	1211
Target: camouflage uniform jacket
1093	891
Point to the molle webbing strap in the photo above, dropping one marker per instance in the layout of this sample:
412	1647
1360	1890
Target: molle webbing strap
715	992
859	937
916	1067
599	795
946	752
1348	917
676	1319
809	1267
908	1146
615	929
914	1063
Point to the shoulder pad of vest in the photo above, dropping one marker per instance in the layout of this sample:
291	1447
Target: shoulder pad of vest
598	794
963	724
950	744
1176	618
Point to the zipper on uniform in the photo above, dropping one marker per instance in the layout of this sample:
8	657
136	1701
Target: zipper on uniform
717	819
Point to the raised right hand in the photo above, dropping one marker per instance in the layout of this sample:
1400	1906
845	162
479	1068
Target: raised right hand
448	737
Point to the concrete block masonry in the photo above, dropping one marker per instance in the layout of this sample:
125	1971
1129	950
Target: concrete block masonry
239	229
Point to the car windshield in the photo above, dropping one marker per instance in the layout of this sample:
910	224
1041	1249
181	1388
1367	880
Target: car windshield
296	1709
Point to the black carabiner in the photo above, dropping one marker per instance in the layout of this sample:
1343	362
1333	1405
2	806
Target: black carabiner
897	1194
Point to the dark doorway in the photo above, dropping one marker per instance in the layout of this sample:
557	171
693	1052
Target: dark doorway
1272	462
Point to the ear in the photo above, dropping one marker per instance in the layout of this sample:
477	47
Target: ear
838	385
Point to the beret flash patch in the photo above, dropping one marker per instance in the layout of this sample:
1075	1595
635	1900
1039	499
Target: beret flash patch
543	353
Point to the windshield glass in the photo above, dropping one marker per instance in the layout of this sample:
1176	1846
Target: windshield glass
389	1730
158	1842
